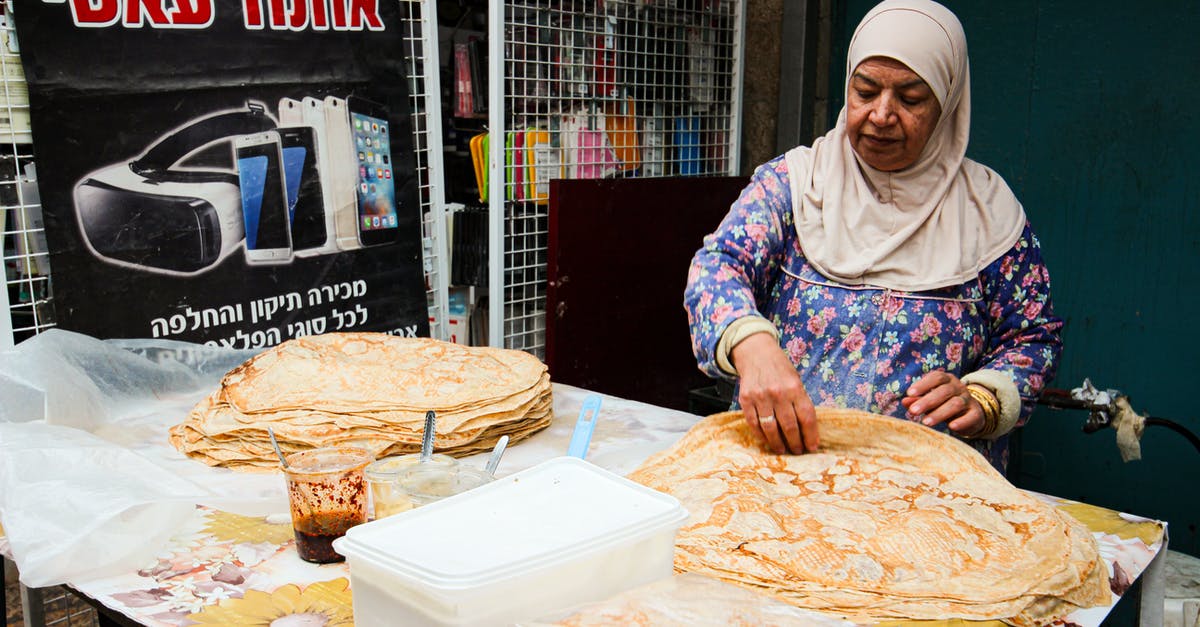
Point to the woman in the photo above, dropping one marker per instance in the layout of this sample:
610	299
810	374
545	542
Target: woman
880	269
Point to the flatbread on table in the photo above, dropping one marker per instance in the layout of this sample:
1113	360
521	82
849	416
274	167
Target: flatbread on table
406	373
889	519
369	390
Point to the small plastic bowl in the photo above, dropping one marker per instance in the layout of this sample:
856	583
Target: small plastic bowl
387	495
425	484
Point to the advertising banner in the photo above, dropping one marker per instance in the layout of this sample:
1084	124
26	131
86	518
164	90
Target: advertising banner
234	172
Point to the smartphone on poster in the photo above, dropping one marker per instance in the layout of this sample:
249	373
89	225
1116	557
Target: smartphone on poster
306	210
291	112
342	176
313	116
259	162
378	216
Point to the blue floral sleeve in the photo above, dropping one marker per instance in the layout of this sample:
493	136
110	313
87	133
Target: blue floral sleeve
730	274
1025	340
861	348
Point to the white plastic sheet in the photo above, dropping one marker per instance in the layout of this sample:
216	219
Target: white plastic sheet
89	485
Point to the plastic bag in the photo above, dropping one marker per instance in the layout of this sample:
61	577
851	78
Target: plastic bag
88	484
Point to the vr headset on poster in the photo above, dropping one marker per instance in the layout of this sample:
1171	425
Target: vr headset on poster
316	180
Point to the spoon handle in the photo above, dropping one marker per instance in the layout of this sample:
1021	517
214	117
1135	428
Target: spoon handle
582	436
282	459
427	439
494	460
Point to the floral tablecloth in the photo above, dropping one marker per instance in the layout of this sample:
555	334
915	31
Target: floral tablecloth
224	569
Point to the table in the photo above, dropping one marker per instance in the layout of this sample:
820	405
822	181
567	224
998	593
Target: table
219	568
216	555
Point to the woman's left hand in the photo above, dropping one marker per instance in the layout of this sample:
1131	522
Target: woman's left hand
939	397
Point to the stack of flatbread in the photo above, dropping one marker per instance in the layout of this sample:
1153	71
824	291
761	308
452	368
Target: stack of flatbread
889	519
369	390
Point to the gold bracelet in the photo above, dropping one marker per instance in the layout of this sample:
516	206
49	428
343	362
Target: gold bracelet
993	412
990	406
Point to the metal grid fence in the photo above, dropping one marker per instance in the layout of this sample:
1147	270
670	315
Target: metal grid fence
26	296
421	65
599	89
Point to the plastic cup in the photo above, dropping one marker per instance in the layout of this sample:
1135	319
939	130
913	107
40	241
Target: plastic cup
388	497
469	478
327	495
426	484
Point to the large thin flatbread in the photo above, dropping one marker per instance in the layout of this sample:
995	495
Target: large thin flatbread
890	519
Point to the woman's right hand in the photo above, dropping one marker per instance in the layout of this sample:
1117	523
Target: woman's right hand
772	396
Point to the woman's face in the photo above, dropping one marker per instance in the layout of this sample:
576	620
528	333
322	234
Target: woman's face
890	113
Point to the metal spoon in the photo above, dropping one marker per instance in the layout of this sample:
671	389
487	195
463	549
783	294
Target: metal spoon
494	460
427	438
274	443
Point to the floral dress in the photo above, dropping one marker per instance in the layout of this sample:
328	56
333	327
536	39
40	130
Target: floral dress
861	347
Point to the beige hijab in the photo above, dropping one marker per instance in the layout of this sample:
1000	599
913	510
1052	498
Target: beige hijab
934	224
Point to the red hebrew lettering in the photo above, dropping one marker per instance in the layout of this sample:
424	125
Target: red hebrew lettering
365	11
277	17
92	13
252	13
320	16
298	17
339	14
289	14
154	13
192	13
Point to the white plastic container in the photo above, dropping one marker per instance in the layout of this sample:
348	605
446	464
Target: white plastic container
555	535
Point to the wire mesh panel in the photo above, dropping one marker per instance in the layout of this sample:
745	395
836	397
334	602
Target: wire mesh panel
27	297
421	66
525	257
56	606
603	89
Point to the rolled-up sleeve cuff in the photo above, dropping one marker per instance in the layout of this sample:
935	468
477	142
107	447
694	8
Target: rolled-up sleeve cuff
739	330
1005	391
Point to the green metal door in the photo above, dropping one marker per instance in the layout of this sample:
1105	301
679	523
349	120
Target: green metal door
1091	111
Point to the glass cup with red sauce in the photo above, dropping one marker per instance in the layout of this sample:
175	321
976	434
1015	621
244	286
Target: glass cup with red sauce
327	495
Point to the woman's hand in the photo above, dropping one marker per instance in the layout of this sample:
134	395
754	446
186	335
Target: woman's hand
939	397
773	398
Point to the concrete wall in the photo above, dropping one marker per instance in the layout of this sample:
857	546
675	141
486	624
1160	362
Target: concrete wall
764	84
760	102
